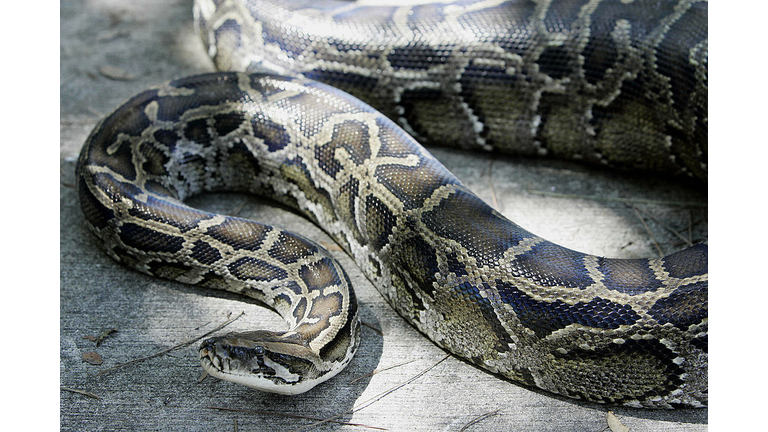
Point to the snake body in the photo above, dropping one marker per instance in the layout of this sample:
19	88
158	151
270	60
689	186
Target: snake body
607	82
632	332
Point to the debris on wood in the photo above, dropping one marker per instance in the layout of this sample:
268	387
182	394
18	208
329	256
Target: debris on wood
100	338
478	419
289	415
372	327
110	35
85	393
167	350
380	370
115	73
331	246
376	398
615	424
104	335
92	358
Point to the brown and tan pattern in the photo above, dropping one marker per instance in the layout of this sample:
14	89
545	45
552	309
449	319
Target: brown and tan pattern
604	330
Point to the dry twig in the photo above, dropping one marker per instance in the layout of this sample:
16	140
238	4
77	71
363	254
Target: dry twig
648	230
236	211
290	416
621	200
493	190
667	227
372	327
79	392
376	398
380	370
167	350
478	419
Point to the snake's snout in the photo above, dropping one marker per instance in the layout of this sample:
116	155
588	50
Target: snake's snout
207	344
227	356
210	358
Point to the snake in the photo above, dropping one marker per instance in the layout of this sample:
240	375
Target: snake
290	116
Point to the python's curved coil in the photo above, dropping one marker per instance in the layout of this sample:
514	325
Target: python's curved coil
604	330
608	82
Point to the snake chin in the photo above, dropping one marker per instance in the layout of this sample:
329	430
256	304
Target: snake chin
262	360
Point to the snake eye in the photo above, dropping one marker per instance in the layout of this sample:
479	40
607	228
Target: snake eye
259	350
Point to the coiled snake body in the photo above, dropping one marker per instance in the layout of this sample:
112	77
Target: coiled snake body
604	330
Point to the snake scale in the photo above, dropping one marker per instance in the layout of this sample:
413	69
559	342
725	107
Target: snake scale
618	83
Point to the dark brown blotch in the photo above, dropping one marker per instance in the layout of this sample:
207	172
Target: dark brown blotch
147	239
240	233
685	306
689	262
380	223
224	124
197	131
320	313
319	275
249	268
629	276
155	159
290	248
180	216
204	253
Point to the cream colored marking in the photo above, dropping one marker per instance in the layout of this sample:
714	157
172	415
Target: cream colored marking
115	146
169	91
525	246
151	111
360	3
244	84
400	19
454	11
204	8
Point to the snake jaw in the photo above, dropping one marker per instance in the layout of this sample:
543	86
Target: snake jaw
274	365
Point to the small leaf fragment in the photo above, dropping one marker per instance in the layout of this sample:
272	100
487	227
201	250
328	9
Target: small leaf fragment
614	423
103	336
93	358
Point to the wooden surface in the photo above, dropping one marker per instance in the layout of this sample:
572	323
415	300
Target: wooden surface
150	42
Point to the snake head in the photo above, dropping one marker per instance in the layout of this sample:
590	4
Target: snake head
263	360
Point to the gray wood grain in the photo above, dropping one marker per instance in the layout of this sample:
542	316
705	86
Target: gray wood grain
153	42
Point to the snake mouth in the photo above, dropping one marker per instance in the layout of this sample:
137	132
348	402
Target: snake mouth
212	363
